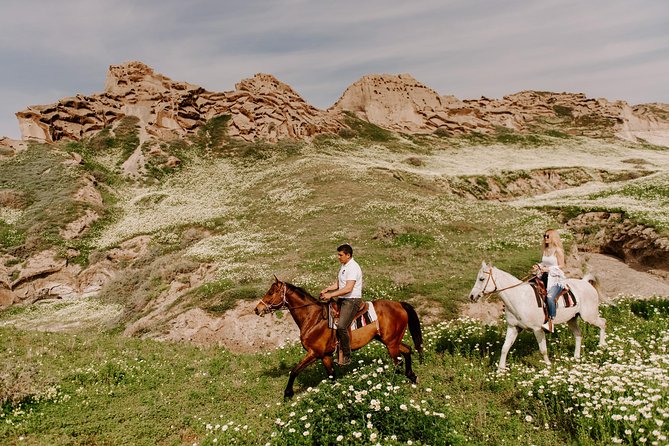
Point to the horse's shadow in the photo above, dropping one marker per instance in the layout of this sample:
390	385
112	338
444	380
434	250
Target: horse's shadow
310	377
488	346
316	373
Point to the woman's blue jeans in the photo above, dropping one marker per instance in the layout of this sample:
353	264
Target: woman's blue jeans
550	300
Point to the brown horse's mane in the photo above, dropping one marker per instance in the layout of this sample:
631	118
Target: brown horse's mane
302	292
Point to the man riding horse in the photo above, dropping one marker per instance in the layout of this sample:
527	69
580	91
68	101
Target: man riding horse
348	289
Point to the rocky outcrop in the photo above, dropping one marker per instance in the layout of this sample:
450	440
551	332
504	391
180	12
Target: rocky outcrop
263	107
260	107
509	185
47	275
646	122
401	103
10	147
612	233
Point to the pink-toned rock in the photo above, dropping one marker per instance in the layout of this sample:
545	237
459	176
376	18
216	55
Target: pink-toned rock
7	298
172	161
91	280
78	227
10	147
262	107
40	264
167	109
74	160
88	193
130	249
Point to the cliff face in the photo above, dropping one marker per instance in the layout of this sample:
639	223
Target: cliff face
260	107
264	107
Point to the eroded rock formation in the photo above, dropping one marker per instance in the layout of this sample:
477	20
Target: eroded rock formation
260	107
263	107
613	233
401	103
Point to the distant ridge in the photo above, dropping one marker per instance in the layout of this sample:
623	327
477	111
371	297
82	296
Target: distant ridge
263	107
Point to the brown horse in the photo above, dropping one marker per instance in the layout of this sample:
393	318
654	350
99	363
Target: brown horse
320	341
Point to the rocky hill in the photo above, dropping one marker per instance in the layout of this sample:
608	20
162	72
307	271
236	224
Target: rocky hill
403	104
265	108
260	107
129	199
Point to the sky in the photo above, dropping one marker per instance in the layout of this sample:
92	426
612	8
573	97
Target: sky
616	49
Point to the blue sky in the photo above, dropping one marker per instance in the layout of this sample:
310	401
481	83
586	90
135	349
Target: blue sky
617	49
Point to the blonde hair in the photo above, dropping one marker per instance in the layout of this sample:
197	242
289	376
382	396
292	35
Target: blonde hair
554	242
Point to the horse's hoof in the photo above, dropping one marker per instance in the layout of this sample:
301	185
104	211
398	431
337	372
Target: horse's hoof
288	395
412	377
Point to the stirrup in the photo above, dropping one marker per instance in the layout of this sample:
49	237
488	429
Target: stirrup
343	362
548	326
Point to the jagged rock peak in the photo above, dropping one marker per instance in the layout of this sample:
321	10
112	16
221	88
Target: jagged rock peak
263	83
260	107
137	76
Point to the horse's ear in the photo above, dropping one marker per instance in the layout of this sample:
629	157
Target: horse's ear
483	265
276	279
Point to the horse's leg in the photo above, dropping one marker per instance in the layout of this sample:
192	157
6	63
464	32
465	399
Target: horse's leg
541	340
573	326
601	323
306	361
408	371
592	317
327	362
393	351
511	335
602	332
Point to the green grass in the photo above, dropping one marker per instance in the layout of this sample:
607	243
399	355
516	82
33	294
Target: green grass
107	389
364	130
48	188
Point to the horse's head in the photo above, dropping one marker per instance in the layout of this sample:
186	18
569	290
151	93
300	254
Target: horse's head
274	298
483	283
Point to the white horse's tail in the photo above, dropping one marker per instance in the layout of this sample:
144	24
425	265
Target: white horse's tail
594	281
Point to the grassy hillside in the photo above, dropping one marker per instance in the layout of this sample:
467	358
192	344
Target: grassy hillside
245	211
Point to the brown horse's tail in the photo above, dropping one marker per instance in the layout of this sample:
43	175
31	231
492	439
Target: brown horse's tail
414	329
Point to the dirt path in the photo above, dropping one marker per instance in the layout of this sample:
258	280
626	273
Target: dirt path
615	277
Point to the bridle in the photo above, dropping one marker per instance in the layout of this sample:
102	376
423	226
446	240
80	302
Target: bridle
270	307
495	290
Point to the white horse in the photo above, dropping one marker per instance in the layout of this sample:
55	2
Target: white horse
522	312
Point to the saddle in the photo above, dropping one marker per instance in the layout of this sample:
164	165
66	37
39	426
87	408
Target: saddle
334	311
541	294
363	317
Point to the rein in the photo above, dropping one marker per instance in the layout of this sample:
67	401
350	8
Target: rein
495	290
284	303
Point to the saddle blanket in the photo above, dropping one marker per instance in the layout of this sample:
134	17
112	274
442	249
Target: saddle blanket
365	319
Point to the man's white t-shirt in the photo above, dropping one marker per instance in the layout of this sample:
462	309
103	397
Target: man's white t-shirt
351	271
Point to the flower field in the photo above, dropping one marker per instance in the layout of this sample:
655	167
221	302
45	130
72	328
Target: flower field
615	395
